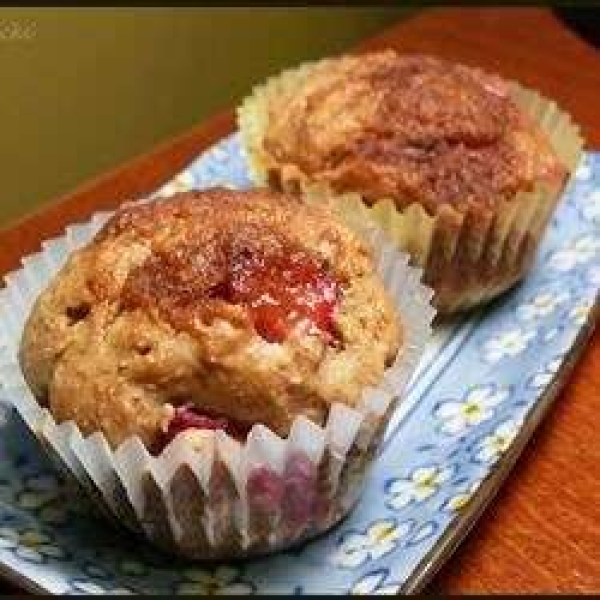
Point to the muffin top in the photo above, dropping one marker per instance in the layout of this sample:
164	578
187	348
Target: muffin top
411	128
216	309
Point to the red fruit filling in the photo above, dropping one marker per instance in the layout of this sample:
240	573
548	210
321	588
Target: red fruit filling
265	490
283	292
187	417
294	493
300	490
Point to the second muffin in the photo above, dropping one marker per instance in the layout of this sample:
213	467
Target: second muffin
461	168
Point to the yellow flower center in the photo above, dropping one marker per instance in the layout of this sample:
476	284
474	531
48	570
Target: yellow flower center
459	502
426	481
500	443
385	532
543	302
31	539
471	409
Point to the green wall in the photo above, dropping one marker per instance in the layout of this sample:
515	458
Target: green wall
84	89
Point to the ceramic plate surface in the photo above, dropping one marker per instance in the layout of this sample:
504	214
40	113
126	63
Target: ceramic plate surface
485	382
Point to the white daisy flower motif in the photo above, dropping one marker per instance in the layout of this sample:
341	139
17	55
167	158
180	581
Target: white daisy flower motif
29	544
493	446
593	275
220	155
590	207
38	490
41	494
459	500
507	344
380	538
577	252
541	305
420	485
223	580
580	312
375	583
583	171
543	378
180	183
83	586
457	416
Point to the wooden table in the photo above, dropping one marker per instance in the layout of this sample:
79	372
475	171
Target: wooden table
542	533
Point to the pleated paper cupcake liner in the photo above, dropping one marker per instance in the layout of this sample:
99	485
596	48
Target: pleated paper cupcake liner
208	496
468	256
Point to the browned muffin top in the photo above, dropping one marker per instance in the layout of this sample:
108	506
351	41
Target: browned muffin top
210	309
222	255
413	128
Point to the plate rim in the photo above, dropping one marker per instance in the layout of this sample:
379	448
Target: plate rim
459	528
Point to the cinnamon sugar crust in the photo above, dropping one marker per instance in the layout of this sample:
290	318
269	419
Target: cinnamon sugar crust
411	128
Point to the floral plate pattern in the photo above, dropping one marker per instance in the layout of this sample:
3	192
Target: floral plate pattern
483	385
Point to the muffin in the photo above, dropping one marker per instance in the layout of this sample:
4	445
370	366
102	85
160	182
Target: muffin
220	365
242	307
461	168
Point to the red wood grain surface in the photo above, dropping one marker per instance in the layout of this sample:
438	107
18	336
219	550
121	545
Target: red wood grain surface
542	533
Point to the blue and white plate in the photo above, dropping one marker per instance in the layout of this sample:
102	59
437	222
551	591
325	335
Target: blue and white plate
483	386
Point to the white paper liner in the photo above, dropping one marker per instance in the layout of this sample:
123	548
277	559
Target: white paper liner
207	496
